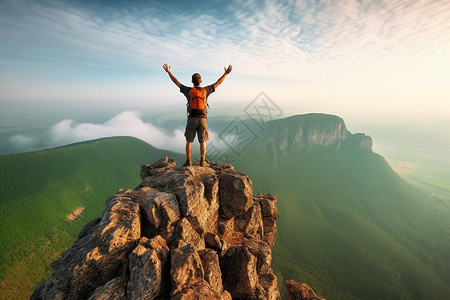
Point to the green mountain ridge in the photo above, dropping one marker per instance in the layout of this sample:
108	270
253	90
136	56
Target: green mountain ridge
310	130
349	226
40	189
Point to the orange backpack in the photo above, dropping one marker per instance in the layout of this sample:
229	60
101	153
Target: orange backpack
197	99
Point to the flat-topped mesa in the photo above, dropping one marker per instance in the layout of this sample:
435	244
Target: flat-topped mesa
182	233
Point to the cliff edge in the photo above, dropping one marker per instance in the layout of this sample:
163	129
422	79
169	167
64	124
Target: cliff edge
183	233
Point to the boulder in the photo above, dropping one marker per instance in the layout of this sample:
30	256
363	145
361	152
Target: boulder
236	192
99	255
186	269
270	214
183	233
302	291
113	289
148	266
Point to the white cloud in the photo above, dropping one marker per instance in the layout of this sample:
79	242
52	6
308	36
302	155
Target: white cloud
127	123
260	38
378	49
22	142
124	124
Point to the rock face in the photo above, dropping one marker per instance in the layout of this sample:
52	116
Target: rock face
305	132
302	291
183	233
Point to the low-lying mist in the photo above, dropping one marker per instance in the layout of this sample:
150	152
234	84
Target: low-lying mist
127	123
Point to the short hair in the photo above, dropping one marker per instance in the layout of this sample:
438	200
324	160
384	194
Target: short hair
196	79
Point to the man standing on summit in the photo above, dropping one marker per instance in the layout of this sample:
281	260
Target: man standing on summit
197	98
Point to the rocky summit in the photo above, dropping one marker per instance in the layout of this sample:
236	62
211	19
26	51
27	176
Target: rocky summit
182	233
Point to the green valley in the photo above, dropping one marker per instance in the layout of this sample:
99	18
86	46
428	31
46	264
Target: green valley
349	226
40	190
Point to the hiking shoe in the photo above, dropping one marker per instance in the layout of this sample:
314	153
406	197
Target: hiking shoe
204	163
187	163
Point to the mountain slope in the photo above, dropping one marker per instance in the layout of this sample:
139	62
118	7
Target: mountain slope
39	191
349	226
182	233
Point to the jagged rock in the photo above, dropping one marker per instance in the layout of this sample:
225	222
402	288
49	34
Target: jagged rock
160	209
247	273
213	241
186	232
159	166
268	204
183	233
196	190
300	291
113	289
99	255
148	266
270	214
211	269
239	271
226	226
250	222
236	192
186	269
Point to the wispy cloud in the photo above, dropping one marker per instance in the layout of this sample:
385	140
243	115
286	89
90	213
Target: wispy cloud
293	42
22	142
261	36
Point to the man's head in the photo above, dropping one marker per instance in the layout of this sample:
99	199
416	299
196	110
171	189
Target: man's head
196	79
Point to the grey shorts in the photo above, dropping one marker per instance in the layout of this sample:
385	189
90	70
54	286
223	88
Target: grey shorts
199	126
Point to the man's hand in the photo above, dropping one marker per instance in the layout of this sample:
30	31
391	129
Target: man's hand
228	70
166	67
222	78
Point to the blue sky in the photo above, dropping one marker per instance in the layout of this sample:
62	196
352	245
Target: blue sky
374	59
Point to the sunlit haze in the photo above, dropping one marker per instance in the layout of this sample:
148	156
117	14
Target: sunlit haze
374	60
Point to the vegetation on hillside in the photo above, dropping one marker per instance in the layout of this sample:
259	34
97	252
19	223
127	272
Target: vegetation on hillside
349	226
40	189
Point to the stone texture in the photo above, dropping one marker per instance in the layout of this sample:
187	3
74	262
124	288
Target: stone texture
160	211
196	189
186	269
300	291
236	192
187	233
211	269
183	233
270	214
99	255
213	241
250	222
148	268
239	271
113	289
247	271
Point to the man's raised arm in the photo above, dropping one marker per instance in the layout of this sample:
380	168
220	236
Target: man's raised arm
222	78
166	68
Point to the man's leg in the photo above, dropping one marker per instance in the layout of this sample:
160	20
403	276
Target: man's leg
188	154
188	150
190	135
202	150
